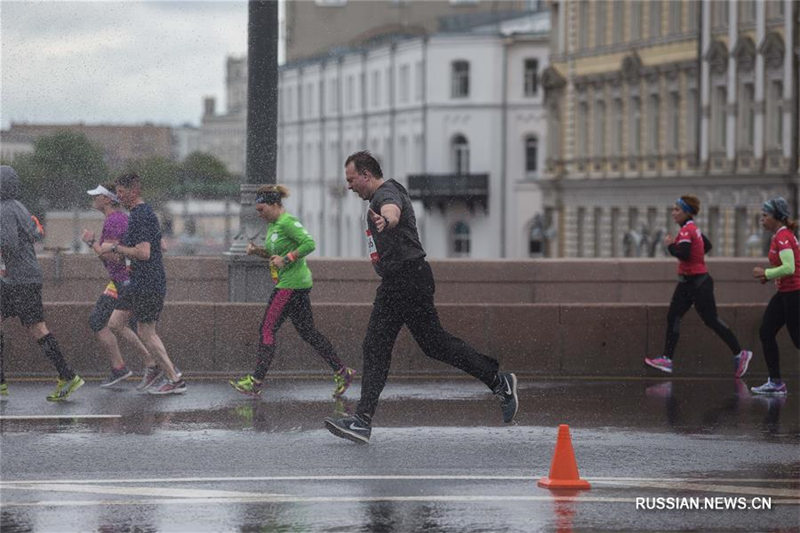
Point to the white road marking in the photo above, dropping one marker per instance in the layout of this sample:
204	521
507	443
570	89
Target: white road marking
340	499
144	491
181	495
410	477
53	417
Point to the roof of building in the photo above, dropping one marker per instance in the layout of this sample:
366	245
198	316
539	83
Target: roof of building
499	23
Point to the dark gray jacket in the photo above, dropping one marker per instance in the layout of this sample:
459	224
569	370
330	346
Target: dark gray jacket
18	232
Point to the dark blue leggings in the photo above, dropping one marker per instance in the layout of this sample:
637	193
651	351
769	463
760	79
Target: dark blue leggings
783	309
698	291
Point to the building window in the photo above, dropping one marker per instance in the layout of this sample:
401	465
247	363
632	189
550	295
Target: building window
618	21
692	118
598	233
531	77
746	116
636	21
461	240
775	114
675	8
581	231
376	88
460	79
583	22
351	93
747	11
694	18
674	121
420	81
655	18
600	22
553	130
334	95
599	128
531	154
583	125
362	90
389	87
655	124
404	83
719	14
460	155
616	148
718	118
774	10
636	126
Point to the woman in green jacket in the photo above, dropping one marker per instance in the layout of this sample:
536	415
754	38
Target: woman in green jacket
286	245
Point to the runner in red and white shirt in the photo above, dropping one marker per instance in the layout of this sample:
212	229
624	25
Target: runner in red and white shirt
784	306
695	287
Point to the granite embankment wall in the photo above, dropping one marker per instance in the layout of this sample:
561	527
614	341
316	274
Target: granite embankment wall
539	317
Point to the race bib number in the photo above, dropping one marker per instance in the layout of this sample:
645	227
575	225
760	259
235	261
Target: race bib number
371	249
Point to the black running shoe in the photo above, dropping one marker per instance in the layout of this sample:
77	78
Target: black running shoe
352	428
506	390
116	376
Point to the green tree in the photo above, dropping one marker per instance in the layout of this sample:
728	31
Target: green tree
61	169
201	167
205	176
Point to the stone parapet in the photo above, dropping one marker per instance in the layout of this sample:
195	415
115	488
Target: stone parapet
587	339
80	277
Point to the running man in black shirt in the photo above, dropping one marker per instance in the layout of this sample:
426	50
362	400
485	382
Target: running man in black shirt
144	298
405	296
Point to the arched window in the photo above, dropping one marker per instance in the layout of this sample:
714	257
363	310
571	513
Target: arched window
459	149
460	79
531	154
460	238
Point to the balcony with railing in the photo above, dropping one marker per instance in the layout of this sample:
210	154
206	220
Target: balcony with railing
438	190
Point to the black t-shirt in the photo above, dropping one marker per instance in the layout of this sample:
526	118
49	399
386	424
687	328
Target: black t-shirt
143	226
398	246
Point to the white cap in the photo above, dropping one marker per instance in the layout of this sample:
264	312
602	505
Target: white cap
97	191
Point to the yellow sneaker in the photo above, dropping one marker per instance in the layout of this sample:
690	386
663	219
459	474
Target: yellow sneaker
65	387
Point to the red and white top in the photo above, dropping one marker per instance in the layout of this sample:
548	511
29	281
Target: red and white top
696	264
784	239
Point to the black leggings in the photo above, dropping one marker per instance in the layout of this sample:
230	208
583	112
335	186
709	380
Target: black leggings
295	304
408	299
698	291
783	310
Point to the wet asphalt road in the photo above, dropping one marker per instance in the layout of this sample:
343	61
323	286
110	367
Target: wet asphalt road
440	458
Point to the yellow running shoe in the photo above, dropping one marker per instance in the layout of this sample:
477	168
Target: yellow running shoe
342	378
65	387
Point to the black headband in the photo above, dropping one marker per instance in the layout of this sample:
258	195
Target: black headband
269	197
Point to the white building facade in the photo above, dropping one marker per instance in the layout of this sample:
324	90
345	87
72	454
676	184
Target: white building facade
457	118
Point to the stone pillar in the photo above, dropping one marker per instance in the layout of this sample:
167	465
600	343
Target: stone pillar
248	277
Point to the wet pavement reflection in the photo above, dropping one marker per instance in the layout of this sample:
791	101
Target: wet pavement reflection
440	458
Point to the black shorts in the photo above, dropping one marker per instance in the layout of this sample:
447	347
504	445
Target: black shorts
23	301
145	306
103	308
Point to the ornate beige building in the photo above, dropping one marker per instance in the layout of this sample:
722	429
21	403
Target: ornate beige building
650	100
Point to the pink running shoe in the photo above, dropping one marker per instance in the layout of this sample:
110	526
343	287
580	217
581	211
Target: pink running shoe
742	361
662	363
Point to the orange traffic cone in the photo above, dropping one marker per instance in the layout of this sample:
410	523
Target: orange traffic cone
564	469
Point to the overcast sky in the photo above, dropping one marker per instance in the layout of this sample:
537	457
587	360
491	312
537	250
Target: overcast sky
118	62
